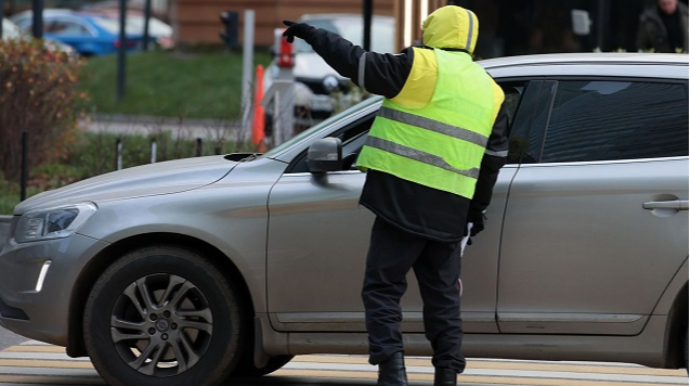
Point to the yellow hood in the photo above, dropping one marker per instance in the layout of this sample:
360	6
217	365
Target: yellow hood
451	27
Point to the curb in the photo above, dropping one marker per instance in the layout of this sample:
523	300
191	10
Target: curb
153	120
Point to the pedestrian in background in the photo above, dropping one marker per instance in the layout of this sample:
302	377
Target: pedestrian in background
432	158
664	28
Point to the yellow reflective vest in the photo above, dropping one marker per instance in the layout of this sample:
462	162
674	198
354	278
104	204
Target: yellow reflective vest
439	141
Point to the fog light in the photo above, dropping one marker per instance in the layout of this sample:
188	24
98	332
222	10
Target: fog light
42	276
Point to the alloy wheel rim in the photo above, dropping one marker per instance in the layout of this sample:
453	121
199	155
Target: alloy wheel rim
161	325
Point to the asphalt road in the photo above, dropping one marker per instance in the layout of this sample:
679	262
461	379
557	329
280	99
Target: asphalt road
8	339
35	364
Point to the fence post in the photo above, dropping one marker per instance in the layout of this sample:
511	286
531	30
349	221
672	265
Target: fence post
25	165
199	147
154	149
118	154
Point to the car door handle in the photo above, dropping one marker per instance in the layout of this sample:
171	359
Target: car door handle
674	204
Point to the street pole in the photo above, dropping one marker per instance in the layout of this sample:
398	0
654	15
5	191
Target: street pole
2	15
25	165
367	14
37	25
247	68
122	52
147	17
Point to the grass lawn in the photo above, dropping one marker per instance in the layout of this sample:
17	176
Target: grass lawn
198	85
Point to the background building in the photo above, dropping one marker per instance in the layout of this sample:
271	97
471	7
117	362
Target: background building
197	21
508	27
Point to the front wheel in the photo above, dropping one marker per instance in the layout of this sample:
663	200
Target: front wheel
163	316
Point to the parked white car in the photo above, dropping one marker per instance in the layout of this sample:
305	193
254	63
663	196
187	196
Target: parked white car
12	31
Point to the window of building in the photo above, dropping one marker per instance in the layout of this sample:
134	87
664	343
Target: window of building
615	120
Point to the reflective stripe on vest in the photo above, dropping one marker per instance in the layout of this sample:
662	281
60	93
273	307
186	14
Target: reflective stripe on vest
436	126
419	155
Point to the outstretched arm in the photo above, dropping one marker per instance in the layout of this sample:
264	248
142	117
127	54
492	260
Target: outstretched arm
382	74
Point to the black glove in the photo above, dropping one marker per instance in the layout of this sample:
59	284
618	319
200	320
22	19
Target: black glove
301	30
477	224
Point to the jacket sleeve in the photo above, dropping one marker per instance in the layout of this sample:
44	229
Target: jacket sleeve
494	159
382	74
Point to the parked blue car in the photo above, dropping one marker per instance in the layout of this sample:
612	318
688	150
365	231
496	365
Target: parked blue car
90	35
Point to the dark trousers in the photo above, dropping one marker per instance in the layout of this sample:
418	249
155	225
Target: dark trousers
392	253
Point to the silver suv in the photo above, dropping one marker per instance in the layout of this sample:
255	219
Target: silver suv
195	270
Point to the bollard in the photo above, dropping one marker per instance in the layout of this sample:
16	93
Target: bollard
154	149
25	165
118	154
258	124
199	147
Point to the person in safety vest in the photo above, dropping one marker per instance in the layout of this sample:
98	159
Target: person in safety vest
432	158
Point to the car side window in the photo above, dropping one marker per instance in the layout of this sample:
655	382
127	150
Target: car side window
67	28
528	112
614	120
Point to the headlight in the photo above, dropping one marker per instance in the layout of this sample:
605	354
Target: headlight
52	223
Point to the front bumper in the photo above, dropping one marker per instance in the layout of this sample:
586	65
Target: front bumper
42	312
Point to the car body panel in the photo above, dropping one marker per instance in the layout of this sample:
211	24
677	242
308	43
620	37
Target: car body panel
21	265
231	215
603	225
153	179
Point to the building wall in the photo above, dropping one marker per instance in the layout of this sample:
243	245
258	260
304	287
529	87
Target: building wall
197	21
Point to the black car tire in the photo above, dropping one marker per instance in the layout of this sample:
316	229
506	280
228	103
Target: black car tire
247	368
169	339
687	350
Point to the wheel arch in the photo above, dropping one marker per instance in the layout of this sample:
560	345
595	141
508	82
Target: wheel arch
675	331
99	263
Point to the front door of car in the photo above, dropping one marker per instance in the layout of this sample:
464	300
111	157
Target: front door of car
317	246
597	223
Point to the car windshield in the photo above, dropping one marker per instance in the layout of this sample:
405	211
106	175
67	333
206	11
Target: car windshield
382	32
279	149
10	30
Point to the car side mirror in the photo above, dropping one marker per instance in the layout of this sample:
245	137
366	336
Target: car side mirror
325	155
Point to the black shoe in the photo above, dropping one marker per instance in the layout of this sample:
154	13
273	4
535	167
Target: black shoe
392	371
445	377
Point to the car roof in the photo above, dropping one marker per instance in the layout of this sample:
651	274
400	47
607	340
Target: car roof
51	11
589	58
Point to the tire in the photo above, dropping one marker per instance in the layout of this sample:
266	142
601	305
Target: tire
188	332
687	350
247	368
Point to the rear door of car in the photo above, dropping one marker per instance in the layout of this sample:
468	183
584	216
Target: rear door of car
597	222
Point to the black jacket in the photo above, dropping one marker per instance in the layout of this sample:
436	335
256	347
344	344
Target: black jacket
417	209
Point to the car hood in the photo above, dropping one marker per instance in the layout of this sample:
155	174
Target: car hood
154	179
311	65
